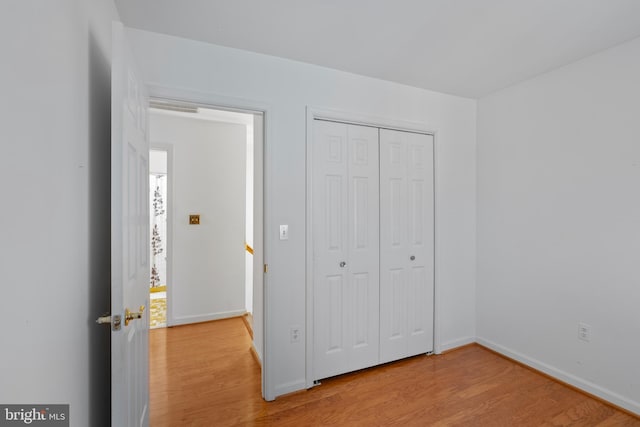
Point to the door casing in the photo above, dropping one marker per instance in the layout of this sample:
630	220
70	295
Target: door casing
214	101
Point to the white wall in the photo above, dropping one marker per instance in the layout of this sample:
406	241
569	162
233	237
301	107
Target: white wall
286	88
54	222
208	176
559	222
158	159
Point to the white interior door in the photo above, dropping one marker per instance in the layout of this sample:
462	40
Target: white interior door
129	239
406	244
345	248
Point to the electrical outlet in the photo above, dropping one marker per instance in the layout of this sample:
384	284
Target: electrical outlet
584	332
295	334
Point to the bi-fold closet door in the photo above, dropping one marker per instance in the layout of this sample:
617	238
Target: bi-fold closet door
372	233
346	285
406	244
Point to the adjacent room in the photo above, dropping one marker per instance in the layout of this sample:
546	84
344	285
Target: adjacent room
201	213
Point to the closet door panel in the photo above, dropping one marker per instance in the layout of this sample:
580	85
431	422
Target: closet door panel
363	246
393	246
421	242
330	217
406	244
345	207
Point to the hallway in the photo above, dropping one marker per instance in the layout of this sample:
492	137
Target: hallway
202	374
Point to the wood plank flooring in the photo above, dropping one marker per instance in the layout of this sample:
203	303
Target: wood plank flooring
205	375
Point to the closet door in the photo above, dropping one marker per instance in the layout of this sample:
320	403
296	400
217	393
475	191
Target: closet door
345	221
406	244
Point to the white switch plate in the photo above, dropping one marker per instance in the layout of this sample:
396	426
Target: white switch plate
284	232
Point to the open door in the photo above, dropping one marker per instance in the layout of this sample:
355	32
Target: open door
129	239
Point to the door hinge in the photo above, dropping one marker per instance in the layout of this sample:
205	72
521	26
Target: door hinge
266	268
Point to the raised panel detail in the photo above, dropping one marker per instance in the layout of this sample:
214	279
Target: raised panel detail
143	115
417	301
336	320
361	152
398	308
416	206
334	149
333	206
131	355
395	154
396	211
143	182
361	212
132	95
133	211
361	309
417	156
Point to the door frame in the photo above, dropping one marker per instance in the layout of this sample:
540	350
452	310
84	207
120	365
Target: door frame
313	113
216	101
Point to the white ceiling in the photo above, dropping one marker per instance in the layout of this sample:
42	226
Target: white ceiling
464	47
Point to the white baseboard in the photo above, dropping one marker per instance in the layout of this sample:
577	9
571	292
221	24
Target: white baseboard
566	377
290	387
197	318
256	352
455	344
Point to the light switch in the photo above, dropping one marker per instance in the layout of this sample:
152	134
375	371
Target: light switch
284	232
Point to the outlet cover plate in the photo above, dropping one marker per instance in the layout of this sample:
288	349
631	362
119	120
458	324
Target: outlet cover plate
584	332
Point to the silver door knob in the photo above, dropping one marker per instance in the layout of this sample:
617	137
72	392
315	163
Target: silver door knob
412	257
343	264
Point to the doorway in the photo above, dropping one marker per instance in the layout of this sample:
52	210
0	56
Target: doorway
213	244
160	234
203	220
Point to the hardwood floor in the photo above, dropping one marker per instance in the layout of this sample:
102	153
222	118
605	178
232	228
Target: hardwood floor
205	375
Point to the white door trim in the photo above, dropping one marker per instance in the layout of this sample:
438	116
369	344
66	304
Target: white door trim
313	113
216	101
